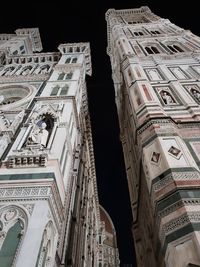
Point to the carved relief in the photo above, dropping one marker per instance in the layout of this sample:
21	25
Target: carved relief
174	151
153	74
166	96
155	157
178	73
194	91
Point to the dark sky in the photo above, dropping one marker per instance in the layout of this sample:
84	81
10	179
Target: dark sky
84	21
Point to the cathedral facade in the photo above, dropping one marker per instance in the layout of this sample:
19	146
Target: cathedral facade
156	74
49	208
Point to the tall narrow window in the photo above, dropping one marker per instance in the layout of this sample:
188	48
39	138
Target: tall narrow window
178	48
61	76
55	90
171	48
68	76
64	90
155	50
74	60
10	245
68	60
175	48
148	49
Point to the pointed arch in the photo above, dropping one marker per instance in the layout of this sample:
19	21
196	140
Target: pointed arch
13	222
46	247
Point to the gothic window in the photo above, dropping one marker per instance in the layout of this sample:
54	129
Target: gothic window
64	90
148	49
55	90
152	49
10	245
59	91
74	60
44	255
68	60
138	33
65	76
175	48
68	76
61	76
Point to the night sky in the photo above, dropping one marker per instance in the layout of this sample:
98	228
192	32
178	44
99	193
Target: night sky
84	21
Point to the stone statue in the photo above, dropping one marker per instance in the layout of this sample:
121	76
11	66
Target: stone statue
167	98
39	135
196	94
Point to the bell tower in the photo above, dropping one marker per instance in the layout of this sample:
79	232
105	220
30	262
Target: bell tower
156	74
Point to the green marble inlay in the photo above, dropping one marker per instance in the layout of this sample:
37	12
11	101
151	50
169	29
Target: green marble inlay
179	233
10	244
171	170
176	196
27	176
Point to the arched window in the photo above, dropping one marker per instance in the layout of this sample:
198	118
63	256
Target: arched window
175	48
148	49
178	48
55	90
61	76
45	252
74	60
155	50
68	76
152	50
10	245
64	90
68	60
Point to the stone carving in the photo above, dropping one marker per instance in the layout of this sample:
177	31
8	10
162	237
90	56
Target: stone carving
167	98
29	208
10	214
174	151
195	94
38	135
155	157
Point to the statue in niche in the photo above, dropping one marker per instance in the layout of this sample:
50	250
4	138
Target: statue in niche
39	135
167	98
196	94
